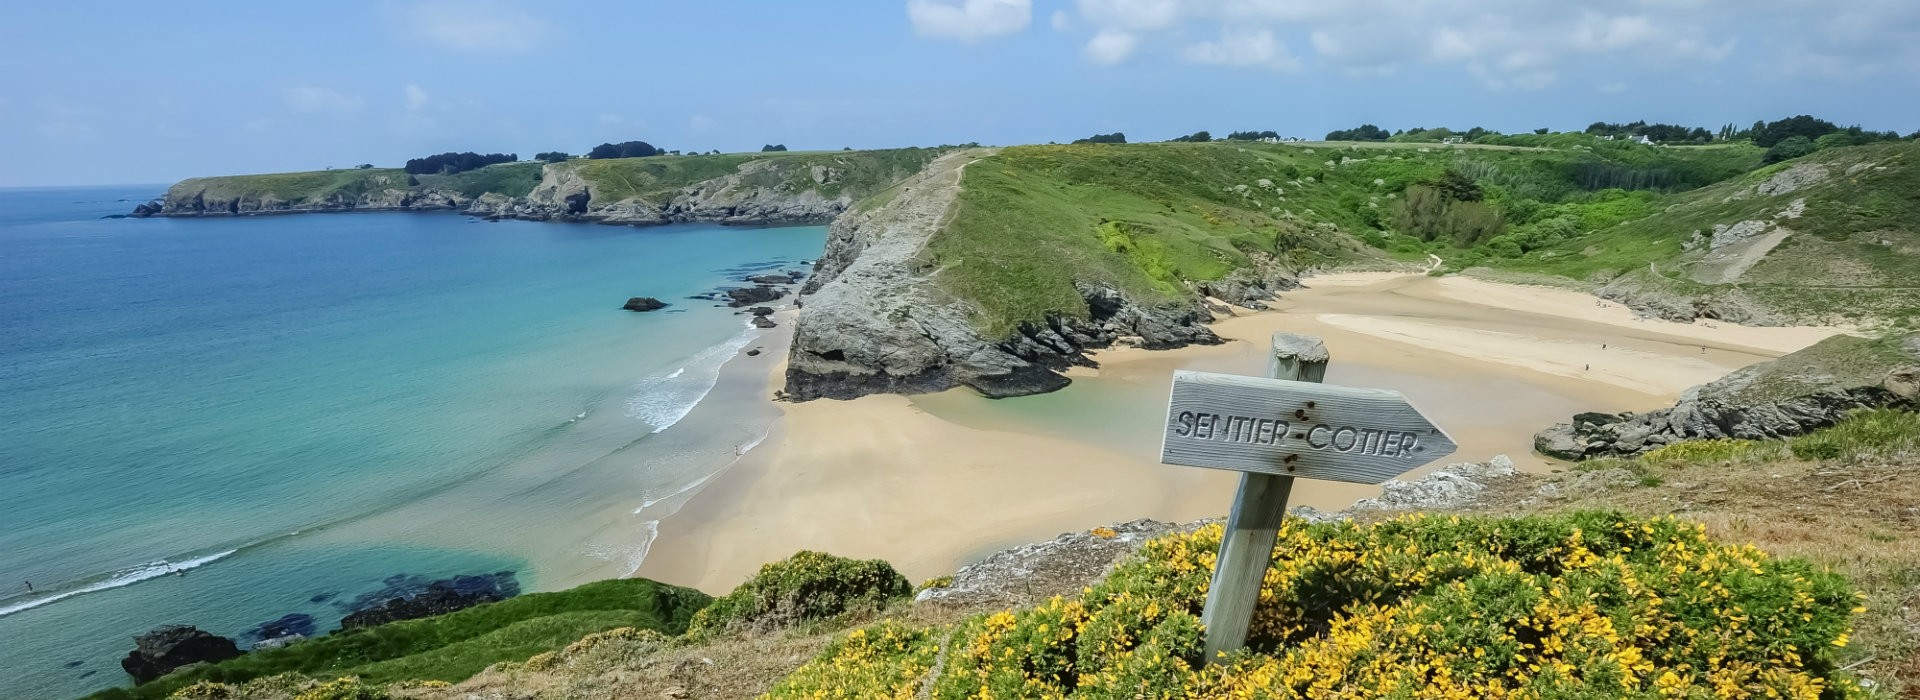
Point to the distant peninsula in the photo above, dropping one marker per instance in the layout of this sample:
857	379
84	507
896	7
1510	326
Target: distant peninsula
768	188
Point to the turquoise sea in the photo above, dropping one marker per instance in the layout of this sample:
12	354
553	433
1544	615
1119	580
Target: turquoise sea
222	421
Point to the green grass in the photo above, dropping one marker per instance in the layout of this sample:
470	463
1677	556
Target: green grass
510	179
854	173
457	645
1874	434
307	187
1033	220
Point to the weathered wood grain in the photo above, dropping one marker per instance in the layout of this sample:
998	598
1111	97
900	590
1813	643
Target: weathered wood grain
1292	428
1254	523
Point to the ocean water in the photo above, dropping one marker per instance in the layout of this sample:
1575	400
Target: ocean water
222	421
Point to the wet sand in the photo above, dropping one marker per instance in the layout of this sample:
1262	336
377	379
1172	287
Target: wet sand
932	482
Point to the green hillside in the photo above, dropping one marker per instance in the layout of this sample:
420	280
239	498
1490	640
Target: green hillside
454	646
1148	218
657	177
1850	251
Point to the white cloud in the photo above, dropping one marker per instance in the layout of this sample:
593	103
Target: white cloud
1130	14
308	99
417	98
475	25
1244	49
969	20
1516	44
1110	46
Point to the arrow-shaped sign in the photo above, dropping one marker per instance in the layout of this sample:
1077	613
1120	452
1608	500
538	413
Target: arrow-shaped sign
1303	429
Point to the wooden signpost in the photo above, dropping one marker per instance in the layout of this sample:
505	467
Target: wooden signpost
1272	430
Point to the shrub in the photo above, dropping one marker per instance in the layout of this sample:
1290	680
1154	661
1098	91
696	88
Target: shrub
344	689
1588	605
885	660
1789	149
807	586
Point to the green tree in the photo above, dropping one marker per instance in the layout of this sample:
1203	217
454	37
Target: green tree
551	157
1789	149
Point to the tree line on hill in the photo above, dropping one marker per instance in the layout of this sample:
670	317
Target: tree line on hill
450	163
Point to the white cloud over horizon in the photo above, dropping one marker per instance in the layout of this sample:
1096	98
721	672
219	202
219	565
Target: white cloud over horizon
969	20
1504	44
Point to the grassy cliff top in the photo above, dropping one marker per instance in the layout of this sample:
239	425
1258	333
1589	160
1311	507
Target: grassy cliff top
456	645
828	172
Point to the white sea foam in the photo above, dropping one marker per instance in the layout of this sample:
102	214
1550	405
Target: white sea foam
126	577
662	401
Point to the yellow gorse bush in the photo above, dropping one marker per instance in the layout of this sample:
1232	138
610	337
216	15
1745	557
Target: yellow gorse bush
1591	605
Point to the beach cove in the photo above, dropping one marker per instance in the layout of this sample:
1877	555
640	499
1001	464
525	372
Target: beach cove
932	482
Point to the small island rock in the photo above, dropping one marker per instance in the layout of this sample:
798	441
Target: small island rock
168	648
644	304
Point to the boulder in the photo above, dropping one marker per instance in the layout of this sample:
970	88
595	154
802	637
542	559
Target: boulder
1032	573
1794	395
769	279
761	311
644	304
749	296
166	649
763	322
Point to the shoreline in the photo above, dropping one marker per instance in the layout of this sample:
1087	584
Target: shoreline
932	482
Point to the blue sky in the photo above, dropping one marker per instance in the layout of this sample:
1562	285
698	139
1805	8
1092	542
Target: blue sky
126	92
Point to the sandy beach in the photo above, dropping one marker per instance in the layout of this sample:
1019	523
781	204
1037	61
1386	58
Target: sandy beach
930	483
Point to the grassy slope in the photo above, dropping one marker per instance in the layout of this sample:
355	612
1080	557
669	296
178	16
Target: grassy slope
857	173
1858	257
510	179
457	645
1147	218
311	186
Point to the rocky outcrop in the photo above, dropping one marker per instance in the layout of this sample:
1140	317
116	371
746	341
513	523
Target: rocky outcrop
1032	573
166	649
874	323
245	195
761	191
1794	395
439	598
644	304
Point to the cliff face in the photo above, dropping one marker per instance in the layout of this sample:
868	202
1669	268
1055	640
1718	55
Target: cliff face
874	321
729	189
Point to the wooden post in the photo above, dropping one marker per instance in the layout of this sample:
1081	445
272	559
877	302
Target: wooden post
1254	523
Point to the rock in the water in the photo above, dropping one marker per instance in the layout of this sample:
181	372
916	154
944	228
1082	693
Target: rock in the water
287	629
439	598
749	296
763	322
761	311
770	279
644	304
1794	395
149	208
169	648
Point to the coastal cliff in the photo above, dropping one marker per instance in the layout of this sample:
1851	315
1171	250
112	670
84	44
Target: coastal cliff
745	189
985	271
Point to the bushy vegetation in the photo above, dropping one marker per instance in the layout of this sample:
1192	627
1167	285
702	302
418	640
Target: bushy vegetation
450	163
1196	137
1364	132
552	157
1115	137
774	148
1587	605
454	646
807	587
1252	135
625	149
